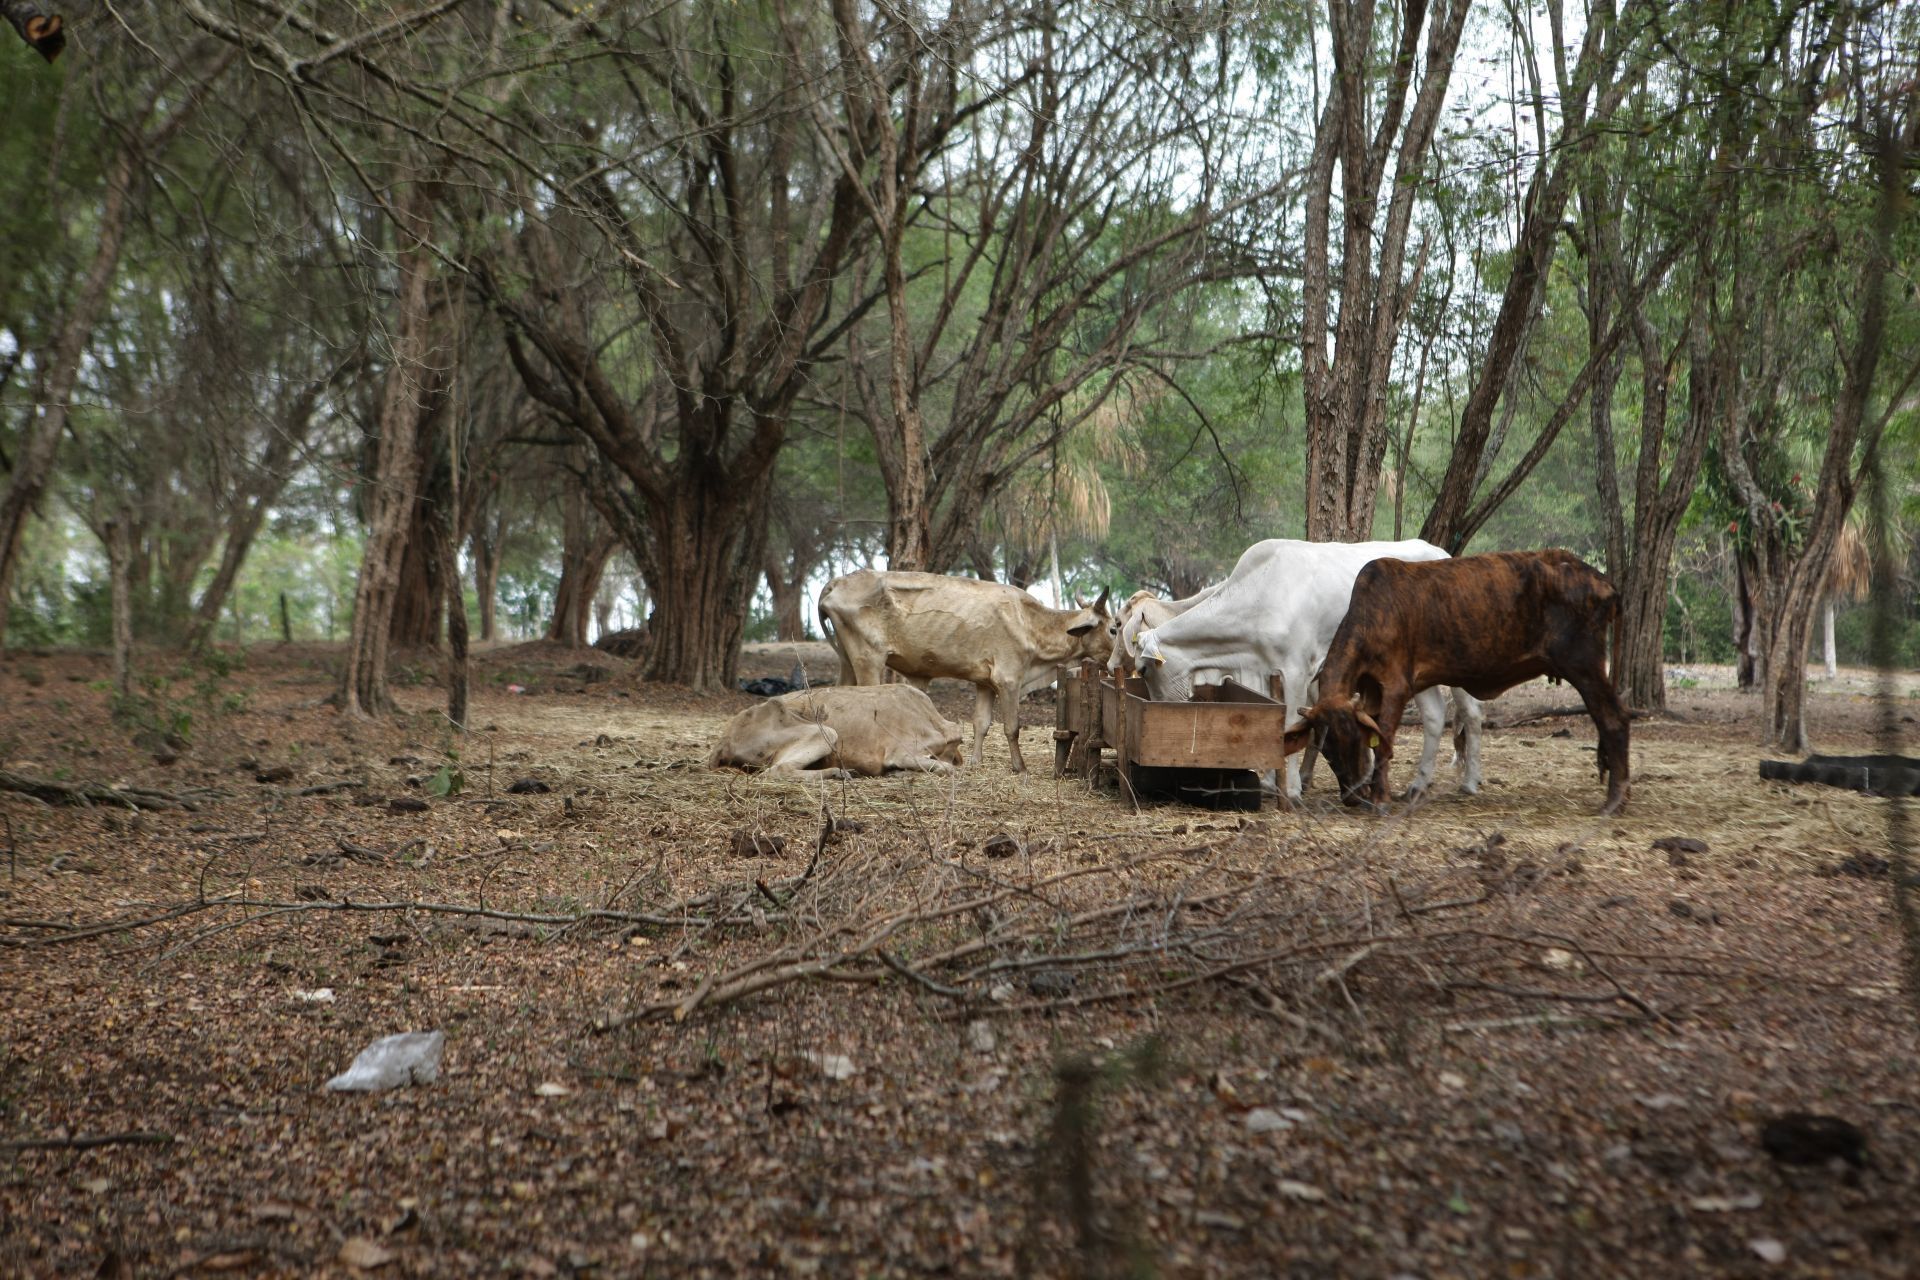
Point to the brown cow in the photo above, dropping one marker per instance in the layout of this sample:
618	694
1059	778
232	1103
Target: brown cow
839	732
928	626
1483	623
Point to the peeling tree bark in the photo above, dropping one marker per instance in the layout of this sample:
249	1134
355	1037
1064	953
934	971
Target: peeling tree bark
406	401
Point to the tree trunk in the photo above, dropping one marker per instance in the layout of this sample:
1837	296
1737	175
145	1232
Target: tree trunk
1789	625
1640	669
445	539
488	589
119	572
1345	388
788	625
701	552
485	550
1832	655
1746	635
406	401
584	548
269	480
901	444
981	556
587	602
233	556
417	603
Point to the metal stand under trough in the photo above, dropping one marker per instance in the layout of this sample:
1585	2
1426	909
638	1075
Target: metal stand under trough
1207	751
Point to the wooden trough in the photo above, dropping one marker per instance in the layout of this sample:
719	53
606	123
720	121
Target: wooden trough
1210	750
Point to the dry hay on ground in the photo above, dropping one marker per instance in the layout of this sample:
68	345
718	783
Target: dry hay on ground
1479	1037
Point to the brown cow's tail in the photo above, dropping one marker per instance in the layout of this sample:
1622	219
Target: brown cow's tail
1619	638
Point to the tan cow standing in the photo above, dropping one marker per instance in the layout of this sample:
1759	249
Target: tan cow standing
928	626
821	733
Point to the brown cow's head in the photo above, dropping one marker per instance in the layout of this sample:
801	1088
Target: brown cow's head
1347	737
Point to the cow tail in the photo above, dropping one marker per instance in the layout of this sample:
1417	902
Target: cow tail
1619	643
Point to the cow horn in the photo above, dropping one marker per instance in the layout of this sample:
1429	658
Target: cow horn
1366	720
1100	605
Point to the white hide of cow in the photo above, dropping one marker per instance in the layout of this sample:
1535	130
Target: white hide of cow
1143	611
841	732
1277	612
929	626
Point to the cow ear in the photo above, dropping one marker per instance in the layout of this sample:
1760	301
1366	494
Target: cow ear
1298	737
1084	627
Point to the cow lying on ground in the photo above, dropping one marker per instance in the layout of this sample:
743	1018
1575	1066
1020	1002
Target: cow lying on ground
928	626
1482	623
1143	611
836	732
1278	612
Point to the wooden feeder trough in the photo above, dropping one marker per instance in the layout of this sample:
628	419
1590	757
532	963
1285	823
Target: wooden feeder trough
1210	750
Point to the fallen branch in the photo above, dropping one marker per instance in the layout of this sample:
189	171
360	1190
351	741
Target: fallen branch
78	933
328	788
1535	1020
87	1141
85	795
360	852
266	908
1576	709
1569	997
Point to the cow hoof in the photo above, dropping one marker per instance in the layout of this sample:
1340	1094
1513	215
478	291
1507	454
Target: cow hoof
1613	806
840	775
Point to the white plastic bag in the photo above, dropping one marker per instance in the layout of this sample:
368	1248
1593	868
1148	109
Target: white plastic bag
413	1057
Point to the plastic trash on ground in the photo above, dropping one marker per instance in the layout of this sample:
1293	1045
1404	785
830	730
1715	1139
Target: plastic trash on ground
413	1057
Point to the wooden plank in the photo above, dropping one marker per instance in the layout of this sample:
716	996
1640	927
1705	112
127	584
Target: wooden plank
1093	735
1199	735
1230	691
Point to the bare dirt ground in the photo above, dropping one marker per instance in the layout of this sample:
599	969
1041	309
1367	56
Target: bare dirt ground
1491	1036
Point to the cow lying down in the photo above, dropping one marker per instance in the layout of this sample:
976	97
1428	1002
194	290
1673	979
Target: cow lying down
840	732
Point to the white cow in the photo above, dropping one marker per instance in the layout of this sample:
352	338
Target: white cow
1277	612
1143	611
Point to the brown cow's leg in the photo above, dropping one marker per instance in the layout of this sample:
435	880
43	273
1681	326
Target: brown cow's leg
1611	719
1392	705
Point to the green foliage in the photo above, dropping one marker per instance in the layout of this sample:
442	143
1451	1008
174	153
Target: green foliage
162	710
